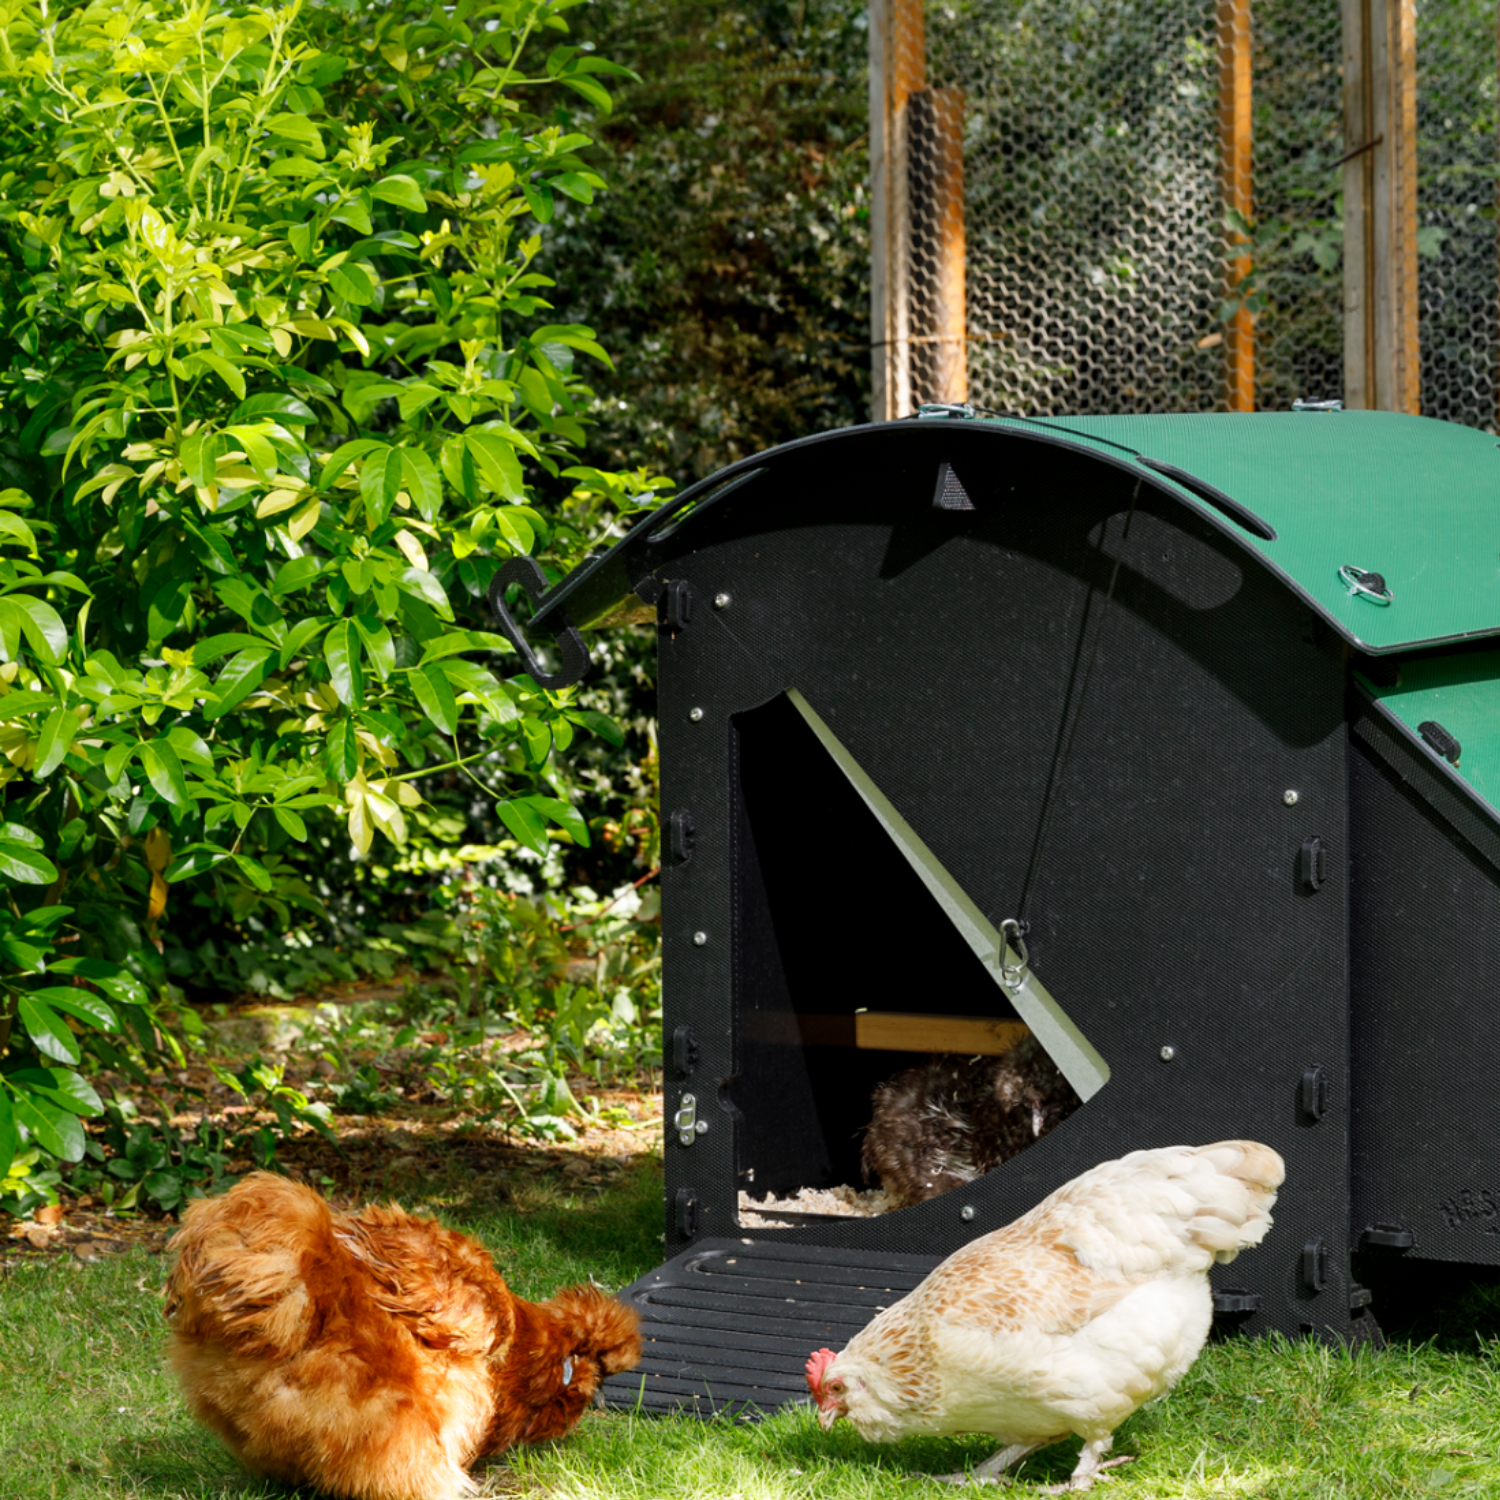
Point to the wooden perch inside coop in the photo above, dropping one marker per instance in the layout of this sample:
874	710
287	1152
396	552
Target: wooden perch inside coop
889	1031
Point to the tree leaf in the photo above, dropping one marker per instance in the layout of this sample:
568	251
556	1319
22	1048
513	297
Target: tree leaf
220	367
430	684
255	872
299	130
420	476
42	626
84	1004
9	1137
499	469
457	462
341	651
63	1087
601	724
25	866
164	772
427	587
525	823
48	1030
575	185
238	680
402	191
258	449
341	753
343	456
353	282
292	822
379	483
113	979
379	646
295	574
510	521
54	1130
212	647
194	860
565	815
52	744
279	405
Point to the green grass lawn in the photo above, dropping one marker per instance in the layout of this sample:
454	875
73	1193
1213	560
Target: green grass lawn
87	1413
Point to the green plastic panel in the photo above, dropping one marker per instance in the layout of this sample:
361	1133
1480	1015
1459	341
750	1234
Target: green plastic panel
1462	693
1410	498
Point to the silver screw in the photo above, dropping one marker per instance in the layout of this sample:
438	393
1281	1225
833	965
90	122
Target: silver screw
1168	1053
701	1127
966	1213
699	939
697	714
1289	796
721	601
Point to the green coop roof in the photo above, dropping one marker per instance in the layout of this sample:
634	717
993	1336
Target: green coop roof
1415	500
1461	693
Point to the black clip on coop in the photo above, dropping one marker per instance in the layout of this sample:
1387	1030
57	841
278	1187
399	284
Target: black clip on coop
576	660
627	568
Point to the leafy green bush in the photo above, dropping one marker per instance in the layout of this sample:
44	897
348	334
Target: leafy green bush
729	264
278	391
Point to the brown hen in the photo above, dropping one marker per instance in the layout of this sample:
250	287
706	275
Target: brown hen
372	1355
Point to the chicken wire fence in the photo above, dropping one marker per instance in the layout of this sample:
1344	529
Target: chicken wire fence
1139	205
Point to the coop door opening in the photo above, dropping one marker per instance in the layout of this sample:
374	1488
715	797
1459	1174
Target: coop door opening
881	1058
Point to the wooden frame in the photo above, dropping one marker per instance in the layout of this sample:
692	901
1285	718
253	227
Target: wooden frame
1235	161
1382	351
898	69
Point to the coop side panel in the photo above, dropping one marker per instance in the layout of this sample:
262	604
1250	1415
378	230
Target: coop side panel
1425	970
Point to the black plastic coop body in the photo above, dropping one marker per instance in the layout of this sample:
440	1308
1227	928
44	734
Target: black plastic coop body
1172	743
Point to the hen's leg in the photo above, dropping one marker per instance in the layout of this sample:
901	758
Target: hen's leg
1090	1467
991	1469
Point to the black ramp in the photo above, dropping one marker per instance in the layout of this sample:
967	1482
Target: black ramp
729	1324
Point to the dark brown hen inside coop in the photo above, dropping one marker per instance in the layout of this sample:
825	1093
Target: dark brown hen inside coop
878	1062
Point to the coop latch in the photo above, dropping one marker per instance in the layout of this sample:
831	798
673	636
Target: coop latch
686	1122
682	837
684	1052
1312	1094
1315	1264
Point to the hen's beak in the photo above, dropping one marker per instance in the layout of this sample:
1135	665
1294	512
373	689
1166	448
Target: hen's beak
828	1415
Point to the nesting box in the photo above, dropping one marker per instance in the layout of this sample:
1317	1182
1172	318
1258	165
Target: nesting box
1170	742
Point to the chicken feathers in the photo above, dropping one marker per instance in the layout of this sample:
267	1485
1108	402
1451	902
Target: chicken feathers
951	1119
372	1355
1067	1320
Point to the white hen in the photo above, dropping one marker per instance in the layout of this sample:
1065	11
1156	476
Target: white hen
1065	1321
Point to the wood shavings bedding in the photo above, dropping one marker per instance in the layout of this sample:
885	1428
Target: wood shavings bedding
844	1201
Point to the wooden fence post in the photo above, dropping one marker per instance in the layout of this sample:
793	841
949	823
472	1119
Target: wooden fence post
1382	349
898	69
1234	157
936	250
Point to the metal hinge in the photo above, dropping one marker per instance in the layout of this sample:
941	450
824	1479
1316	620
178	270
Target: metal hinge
1235	1300
946	409
1387	1237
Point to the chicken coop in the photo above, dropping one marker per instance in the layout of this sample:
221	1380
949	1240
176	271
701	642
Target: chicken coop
1152	759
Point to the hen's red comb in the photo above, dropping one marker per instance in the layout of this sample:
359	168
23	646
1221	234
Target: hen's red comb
817	1367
